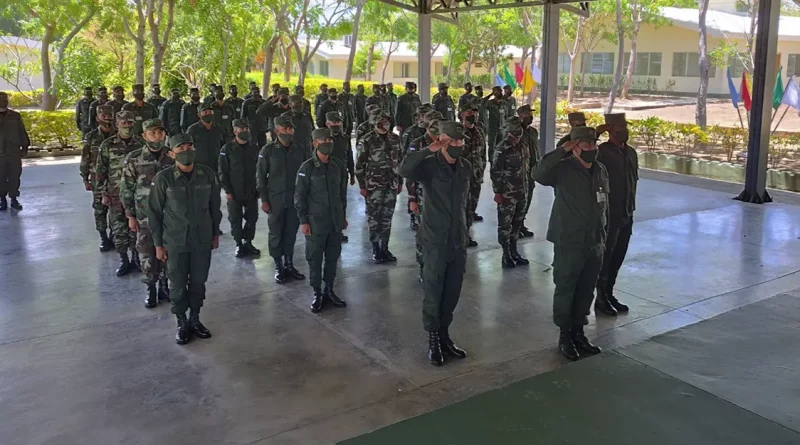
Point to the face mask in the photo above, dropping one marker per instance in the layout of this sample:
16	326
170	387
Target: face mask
155	146
233	93
208	118
195	98
470	119
244	135
125	132
589	156
103	97
219	95
346	89
284	101
107	123
335	130
455	151
622	135
527	121
333	98
286	138
185	157
138	95
119	97
297	108
385	126
325	148
498	95
157	92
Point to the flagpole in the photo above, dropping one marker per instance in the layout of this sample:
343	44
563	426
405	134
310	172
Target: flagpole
739	112
780	120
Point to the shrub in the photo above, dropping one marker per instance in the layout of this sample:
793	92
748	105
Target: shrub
689	136
731	140
51	128
779	147
648	130
17	100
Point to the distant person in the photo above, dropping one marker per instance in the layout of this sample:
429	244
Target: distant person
82	114
14	143
191	110
89	154
171	112
102	98
142	111
156	99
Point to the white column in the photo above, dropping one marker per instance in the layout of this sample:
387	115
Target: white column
424	51
549	86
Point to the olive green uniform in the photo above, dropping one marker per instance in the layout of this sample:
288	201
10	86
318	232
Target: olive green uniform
171	116
259	125
237	175
577	230
223	116
443	231
189	115
531	139
343	151
184	212
207	143
14	143
415	193
303	127
510	176
495	117
141	114
407	105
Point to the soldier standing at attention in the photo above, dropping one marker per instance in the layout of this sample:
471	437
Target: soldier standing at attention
321	200
271	109
212	91
445	176
577	231
171	112
91	146
301	90
495	118
141	167
530	137
481	106
391	101
622	164
156	99
475	153
360	104
348	102
14	143
108	177
190	111
258	125
407	106
237	175
378	157
102	98
415	194
209	138
251	86
119	99
278	163
234	101
443	103
467	97
321	97
342	148
511	101
223	114
411	134
332	104
82	114
142	111
275	88
576	119
303	123
183	208
376	98
510	175
367	126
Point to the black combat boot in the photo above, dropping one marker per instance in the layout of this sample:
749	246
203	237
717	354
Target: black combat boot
280	272
241	251
163	290
518	259
566	345
435	349
106	245
477	218
448	347
507	261
377	254
582	343
124	264
602	305
472	243
3	203
195	326
15	204
182	335
135	261
331	296
525	232
345	238
319	300
616	303
152	297
387	256
291	271
251	248
414	225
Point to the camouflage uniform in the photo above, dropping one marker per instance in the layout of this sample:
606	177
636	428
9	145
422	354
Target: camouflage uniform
378	157
510	176
91	146
475	153
139	169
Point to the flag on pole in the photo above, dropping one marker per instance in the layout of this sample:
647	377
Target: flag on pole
746	92
777	93
732	89
509	78
518	74
791	96
498	80
527	81
536	73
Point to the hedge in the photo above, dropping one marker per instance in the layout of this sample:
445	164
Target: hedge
18	100
51	129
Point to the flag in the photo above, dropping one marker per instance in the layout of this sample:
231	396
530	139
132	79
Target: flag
518	74
746	92
536	72
499	80
527	81
509	78
732	89
777	93
791	96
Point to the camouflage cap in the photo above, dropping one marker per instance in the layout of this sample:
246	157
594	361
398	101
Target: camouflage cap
284	90
105	109
615	118
321	133
376	117
333	116
576	116
296	98
152	123
587	134
284	121
513	124
124	116
525	109
430	118
372	107
180	138
424	108
467	106
453	129
241	123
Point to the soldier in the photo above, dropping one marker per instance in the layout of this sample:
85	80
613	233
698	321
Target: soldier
237	175
156	99
14	143
321	200
224	114
278	163
443	103
275	88
391	101
445	176
379	154
185	227
271	109
141	167
301	90
360	104
376	98
321	97
91	145
407	106
108	177
209	138
347	100
475	153
82	115
212	92
119	99
481	108
342	148
409	135
171	112
102	98
142	111
530	137
332	104
304	123
235	101
251	87
511	101
577	231
576	119
190	111
495	108
258	124
467	97
622	164
366	126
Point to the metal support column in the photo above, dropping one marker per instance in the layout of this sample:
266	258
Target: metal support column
549	86
761	115
424	51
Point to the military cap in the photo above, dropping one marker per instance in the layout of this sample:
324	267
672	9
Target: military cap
524	109
333	116
443	85
241	123
430	118
467	84
105	109
175	90
615	118
276	85
284	121
284	90
323	85
512	124
453	129
204	107
321	133
496	88
138	86
424	108
467	106
153	123
296	98
378	116
102	89
118	88
372	107
410	85
87	88
156	85
193	89
576	116
180	138
331	90
123	116
587	134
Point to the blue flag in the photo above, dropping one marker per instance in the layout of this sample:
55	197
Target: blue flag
498	80
732	89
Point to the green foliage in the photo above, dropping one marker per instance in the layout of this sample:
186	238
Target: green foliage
26	99
51	129
647	130
729	139
360	60
457	80
83	66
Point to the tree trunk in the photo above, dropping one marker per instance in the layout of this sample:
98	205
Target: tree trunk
612	95
571	81
702	93
302	67
348	74
49	98
226	40
287	64
632	62
583	71
469	63
269	55
370	54
159	43
449	68
386	63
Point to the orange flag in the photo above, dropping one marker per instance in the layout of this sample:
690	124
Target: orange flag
746	92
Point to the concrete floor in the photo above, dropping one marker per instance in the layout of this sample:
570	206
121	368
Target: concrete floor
83	362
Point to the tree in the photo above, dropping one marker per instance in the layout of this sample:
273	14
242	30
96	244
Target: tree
142	13
319	21
702	92
638	12
360	62
571	34
280	13
159	42
351	58
22	64
596	28
620	54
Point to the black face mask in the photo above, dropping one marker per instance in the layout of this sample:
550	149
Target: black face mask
470	119
176	97
233	93
208	118
119	97
104	96
589	156
527	121
156	92
333	98
138	95
195	97
623	135
284	100
219	95
346	89
297	108
244	135
335	130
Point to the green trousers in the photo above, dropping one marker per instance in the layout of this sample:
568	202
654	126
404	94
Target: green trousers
283	225
247	210
323	248
441	281
575	271
187	273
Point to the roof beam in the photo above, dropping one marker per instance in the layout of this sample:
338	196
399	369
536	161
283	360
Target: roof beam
576	11
489	6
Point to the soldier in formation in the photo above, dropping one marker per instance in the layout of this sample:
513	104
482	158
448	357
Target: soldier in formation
331	104
411	134
348	101
303	123
82	113
156	99
251	88
301	91
530	137
102	98
495	108
360	104
443	103
475	153
14	143
391	101
237	176
208	137
407	106
190	111
575	119
119	99
321	97
141	110
511	101
342	148
467	97
212	92
234	101
223	114
88	167
171	112
377	98
259	126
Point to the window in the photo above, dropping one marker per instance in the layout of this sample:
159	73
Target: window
402	69
440	69
323	68
794	65
311	68
600	63
647	64
563	63
736	66
688	65
742	6
348	39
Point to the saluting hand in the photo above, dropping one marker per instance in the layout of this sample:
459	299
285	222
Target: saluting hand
414	207
569	145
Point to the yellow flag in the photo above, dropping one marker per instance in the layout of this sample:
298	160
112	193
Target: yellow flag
527	81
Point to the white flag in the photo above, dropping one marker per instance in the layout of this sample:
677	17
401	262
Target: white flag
791	96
